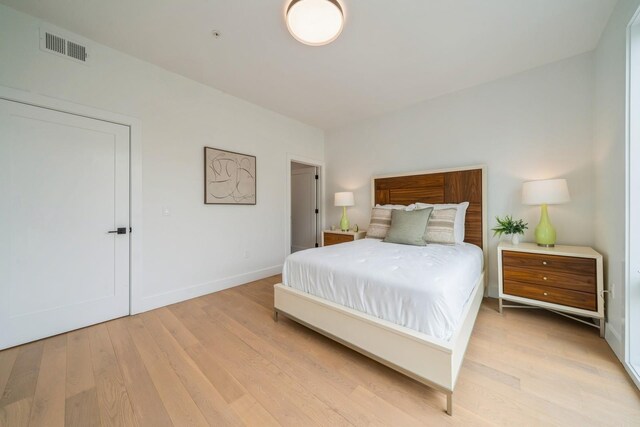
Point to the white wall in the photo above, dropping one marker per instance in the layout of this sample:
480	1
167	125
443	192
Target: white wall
534	125
198	248
609	150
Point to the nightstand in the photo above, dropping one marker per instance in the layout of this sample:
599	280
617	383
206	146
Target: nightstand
563	279
333	237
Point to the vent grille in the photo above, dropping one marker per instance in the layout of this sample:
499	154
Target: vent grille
61	46
54	43
76	51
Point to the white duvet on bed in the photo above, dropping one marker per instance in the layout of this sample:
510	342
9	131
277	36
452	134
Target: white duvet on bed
424	288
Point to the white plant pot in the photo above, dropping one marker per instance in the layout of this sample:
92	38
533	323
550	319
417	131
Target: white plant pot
515	239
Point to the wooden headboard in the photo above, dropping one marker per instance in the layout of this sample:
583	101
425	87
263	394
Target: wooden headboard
440	186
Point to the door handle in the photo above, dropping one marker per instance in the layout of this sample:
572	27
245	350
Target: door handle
119	230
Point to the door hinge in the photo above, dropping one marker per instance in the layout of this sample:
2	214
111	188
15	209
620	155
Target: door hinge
317	211
317	245
316	176
130	230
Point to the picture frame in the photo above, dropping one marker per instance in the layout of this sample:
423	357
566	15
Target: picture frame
229	177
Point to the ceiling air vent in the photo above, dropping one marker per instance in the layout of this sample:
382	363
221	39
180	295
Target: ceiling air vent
59	45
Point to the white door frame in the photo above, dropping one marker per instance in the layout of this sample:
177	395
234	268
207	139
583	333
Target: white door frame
135	182
292	158
632	189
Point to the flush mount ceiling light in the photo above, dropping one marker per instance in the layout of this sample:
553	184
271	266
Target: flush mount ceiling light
315	22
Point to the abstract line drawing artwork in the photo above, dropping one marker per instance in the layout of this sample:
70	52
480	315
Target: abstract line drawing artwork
229	178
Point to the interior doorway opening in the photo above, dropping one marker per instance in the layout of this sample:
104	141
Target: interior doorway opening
305	206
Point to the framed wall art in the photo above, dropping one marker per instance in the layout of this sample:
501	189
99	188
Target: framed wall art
229	177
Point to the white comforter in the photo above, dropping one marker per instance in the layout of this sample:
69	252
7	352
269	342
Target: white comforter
423	288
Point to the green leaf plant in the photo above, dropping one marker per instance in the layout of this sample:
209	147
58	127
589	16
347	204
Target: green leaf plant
508	225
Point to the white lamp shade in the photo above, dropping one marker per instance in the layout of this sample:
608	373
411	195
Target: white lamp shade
315	22
343	199
548	191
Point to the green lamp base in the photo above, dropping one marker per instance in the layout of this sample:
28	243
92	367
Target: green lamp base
545	233
344	222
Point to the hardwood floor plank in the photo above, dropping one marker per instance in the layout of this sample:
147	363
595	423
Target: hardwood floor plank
240	400
81	405
210	402
113	399
145	401
252	413
414	398
16	414
281	395
324	388
314	353
24	375
391	414
176	399
542	371
7	359
527	403
81	409
276	402
175	327
221	360
49	399
228	387
79	368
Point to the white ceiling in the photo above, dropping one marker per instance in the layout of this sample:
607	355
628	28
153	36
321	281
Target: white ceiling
391	53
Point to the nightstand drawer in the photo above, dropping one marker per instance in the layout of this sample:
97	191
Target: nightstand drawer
551	277
334	238
565	297
551	263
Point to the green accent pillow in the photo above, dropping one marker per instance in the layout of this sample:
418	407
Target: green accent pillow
408	227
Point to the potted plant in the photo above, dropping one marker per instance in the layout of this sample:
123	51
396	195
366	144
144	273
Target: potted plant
510	226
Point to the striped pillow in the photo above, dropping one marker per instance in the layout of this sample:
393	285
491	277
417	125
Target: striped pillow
380	223
440	228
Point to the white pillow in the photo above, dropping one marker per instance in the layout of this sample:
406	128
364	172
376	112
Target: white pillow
461	212
399	207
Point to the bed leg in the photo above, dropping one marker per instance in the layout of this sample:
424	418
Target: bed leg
275	315
500	305
450	403
602	326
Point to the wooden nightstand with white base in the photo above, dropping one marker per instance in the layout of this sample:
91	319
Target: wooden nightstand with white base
564	279
333	237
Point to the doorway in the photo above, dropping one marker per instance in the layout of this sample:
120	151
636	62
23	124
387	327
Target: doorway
65	207
305	212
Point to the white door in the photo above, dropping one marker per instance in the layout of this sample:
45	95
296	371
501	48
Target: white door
303	209
64	186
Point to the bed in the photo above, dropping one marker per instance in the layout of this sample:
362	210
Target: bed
374	297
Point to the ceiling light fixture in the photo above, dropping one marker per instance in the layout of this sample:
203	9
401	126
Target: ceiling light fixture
315	22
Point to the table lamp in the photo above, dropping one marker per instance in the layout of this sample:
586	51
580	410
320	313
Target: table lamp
344	199
543	193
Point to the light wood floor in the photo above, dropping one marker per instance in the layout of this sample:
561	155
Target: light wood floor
221	360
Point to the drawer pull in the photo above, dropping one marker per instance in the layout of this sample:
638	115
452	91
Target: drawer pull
545	294
544	262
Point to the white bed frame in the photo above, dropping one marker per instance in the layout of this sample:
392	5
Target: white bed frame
426	359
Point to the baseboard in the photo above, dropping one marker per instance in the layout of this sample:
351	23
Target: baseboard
633	373
614	340
178	295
